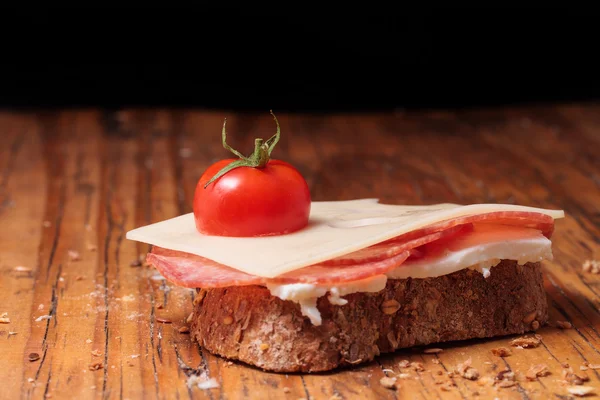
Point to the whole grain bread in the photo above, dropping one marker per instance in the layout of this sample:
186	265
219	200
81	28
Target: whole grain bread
250	325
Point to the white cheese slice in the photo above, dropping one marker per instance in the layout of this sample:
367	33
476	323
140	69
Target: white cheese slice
335	228
306	295
481	249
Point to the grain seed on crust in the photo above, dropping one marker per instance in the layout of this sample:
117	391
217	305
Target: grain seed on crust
529	317
390	307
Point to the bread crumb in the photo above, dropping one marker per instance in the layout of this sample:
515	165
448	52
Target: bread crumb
189	318
336	396
10	333
563	324
286	389
92	247
135	263
20	268
404	364
95	366
74	255
160	307
526	342
471	374
4	320
403	376
580	390
432	351
583	368
535	325
592	266
505	375
88	341
96	353
47	224
501	352
417	366
506	384
574	379
435	361
42	317
486	380
208	384
390	307
593	366
536	371
388	383
466	371
446	387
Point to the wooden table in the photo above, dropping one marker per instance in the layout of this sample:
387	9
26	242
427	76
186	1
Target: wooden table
73	182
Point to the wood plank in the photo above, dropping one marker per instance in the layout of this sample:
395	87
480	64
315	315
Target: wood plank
22	199
78	180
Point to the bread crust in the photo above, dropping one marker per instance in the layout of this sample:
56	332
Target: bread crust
249	324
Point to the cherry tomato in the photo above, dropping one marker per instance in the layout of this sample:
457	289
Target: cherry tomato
250	201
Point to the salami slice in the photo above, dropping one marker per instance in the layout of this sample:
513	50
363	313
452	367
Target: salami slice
323	274
525	219
192	271
189	270
394	247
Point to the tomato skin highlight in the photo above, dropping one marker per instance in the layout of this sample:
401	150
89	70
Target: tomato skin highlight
250	202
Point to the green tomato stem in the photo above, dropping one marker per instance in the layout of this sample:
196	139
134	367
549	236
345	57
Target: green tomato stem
259	157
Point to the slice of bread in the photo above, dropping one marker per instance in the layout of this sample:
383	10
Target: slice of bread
250	325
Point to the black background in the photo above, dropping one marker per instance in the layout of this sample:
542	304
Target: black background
298	59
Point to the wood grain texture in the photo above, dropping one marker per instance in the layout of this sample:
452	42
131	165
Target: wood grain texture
73	182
